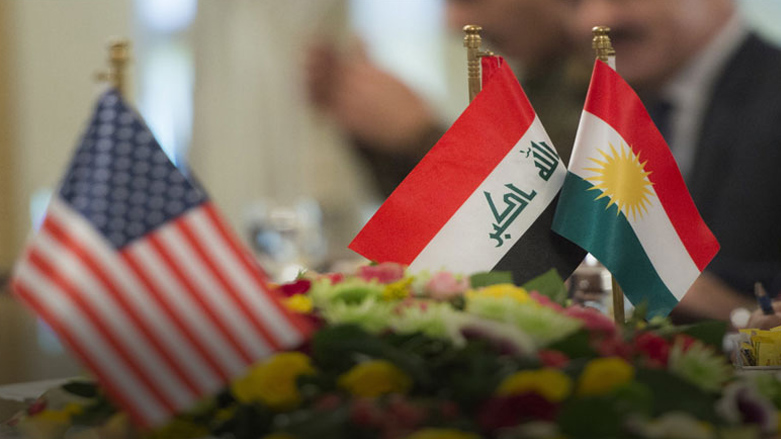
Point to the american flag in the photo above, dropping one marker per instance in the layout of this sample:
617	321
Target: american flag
139	275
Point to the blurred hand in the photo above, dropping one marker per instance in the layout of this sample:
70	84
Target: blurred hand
761	321
364	101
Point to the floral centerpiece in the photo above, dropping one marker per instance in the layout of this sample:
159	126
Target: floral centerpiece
446	356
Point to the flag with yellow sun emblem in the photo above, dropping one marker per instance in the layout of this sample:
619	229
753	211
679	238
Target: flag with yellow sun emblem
625	202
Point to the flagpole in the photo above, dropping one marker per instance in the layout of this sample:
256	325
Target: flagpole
605	52
472	42
119	56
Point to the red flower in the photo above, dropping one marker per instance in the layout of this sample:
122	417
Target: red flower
592	319
685	340
299	286
508	411
335	278
655	348
613	346
551	358
384	273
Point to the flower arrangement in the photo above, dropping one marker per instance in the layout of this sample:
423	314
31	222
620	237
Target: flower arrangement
439	355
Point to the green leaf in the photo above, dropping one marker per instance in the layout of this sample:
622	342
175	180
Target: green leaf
671	393
335	348
577	345
487	278
709	332
549	284
85	389
591	417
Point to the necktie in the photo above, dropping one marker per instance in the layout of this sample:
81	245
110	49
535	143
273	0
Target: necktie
660	113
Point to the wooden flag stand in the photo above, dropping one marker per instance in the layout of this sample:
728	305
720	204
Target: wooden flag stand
119	56
605	52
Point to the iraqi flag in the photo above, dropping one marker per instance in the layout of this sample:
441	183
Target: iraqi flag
482	199
625	201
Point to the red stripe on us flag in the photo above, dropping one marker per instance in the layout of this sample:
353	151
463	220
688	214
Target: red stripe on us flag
93	316
113	287
288	326
120	393
98	299
453	169
230	292
176	318
611	99
172	266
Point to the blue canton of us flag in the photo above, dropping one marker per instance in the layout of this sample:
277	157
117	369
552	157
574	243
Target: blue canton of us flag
141	277
121	180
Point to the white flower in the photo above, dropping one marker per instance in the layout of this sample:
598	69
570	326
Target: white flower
672	425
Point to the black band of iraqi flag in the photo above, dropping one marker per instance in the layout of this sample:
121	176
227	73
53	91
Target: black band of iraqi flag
541	249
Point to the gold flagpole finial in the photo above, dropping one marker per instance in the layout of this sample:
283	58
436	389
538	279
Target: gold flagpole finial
119	56
472	42
601	43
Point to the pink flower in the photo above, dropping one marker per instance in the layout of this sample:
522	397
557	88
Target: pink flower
545	301
444	285
384	273
592	319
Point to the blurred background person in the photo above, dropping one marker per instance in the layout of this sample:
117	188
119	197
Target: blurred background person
392	127
713	88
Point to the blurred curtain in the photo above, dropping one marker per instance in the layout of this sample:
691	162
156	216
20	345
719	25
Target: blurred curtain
255	137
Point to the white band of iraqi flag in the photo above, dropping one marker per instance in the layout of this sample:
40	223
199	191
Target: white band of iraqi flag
625	201
138	274
483	198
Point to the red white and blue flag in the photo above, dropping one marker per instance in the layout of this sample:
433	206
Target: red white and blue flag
140	276
483	198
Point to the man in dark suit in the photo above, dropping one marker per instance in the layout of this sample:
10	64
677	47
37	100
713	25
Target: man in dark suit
714	89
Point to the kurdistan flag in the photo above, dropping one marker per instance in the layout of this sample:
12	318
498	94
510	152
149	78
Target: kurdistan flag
483	198
625	201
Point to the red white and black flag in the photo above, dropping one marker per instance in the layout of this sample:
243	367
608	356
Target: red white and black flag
483	198
140	276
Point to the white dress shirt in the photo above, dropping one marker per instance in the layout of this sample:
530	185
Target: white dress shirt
689	92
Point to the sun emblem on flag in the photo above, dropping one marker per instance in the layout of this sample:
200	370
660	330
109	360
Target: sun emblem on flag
623	179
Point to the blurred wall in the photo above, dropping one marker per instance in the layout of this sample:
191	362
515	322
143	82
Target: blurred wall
52	90
255	137
50	52
6	142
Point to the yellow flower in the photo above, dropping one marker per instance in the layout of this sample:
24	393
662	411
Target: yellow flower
398	290
374	378
54	416
273	382
602	375
500	291
551	384
300	303
442	433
